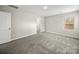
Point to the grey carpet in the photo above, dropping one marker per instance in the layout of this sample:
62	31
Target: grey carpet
42	43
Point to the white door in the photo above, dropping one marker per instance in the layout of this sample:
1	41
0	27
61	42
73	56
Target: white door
5	25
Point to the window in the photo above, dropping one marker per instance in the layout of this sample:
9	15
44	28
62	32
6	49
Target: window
69	23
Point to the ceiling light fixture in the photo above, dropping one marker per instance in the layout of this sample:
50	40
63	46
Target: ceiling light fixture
45	7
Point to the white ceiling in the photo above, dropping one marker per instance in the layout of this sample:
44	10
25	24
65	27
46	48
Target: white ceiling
52	9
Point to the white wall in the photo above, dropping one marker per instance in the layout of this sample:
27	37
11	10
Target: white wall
55	24
40	24
23	23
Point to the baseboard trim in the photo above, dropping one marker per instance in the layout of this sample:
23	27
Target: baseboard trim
21	37
49	32
65	35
